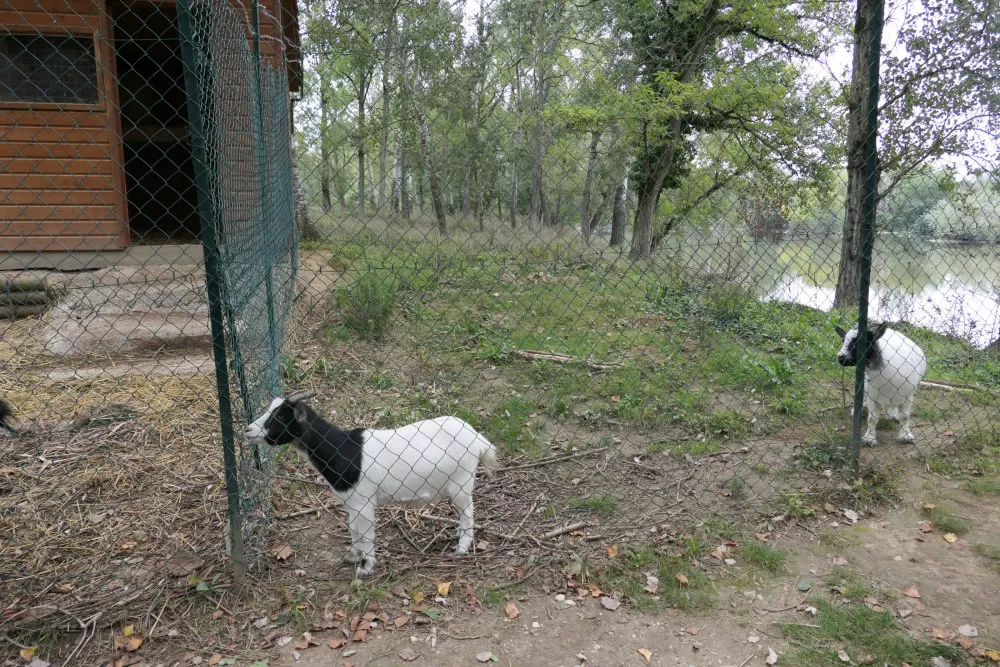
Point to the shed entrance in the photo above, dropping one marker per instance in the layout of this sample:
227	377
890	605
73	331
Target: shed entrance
159	171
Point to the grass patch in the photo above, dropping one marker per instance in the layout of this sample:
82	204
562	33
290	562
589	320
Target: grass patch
597	504
865	635
850	584
763	556
944	522
369	304
983	487
510	426
627	574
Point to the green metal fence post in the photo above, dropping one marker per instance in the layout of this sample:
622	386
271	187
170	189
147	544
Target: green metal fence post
867	228
213	283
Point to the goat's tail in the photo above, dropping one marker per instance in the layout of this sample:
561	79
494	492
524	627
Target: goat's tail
488	457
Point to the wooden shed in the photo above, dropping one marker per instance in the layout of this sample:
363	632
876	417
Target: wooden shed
94	150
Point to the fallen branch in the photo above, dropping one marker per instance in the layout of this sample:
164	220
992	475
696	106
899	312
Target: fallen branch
554	459
949	386
565	529
559	358
311	510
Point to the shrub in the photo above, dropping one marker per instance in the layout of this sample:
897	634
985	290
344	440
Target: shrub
368	305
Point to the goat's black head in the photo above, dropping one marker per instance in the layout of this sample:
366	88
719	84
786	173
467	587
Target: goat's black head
848	355
282	423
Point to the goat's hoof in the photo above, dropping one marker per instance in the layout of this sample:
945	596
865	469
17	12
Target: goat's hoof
353	557
869	440
906	438
461	551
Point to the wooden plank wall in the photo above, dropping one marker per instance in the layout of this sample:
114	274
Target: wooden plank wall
62	180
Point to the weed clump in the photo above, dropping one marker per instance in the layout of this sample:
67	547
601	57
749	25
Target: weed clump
368	305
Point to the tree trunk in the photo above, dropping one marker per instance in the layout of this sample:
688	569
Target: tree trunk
437	197
595	220
362	89
588	184
649	195
481	208
304	222
542	75
619	214
324	144
383	163
858	129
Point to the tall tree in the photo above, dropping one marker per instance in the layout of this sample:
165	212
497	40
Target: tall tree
940	92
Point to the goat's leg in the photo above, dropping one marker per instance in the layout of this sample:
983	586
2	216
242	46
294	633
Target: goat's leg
905	435
354	554
365	526
873	415
462	502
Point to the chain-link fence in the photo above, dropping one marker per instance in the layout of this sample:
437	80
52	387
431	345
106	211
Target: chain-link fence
614	241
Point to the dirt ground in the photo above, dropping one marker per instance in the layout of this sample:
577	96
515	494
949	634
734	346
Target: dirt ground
888	550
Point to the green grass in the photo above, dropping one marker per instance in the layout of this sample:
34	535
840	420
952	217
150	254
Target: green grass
983	487
851	584
763	556
864	634
627	573
597	504
511	427
945	522
369	304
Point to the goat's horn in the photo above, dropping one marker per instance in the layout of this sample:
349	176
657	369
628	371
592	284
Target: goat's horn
299	395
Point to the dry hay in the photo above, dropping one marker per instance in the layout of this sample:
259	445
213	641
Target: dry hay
103	515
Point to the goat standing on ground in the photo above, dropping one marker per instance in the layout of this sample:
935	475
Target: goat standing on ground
423	462
894	367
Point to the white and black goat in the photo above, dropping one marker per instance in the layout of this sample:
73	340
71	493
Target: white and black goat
5	414
422	462
894	367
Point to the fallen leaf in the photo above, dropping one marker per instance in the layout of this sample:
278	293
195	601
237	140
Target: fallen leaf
511	610
216	615
485	656
400	621
772	657
681	578
938	633
753	639
337	642
718	553
950	538
692	630
214	660
965	643
938	661
128	630
652	584
615	399
133	643
282	552
929	506
408	654
911	591
281	641
444	588
851	515
993	655
968	631
646	653
28	653
304	642
259	663
730	561
261	622
610	603
904	612
839	560
804	585
842	654
613	551
418	600
228	661
926	526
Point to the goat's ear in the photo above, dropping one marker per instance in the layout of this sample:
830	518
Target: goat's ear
840	332
878	331
299	395
300	413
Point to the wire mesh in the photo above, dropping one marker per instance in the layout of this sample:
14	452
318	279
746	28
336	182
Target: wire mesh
616	242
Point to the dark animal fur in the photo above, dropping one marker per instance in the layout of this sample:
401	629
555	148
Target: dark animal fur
873	355
335	454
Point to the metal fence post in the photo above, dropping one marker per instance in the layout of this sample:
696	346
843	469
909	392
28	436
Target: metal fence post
867	228
213	284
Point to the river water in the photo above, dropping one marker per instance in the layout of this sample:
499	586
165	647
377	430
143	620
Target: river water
950	289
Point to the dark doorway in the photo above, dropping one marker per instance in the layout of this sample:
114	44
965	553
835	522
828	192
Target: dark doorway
159	170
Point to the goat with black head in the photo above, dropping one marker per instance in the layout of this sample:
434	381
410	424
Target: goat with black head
423	462
894	367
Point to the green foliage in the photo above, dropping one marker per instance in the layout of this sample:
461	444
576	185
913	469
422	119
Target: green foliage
597	503
628	573
860	631
763	556
368	305
945	522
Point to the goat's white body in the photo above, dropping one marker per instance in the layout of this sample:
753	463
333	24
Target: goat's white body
891	387
423	462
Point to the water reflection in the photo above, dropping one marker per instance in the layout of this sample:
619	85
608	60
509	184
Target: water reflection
949	289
